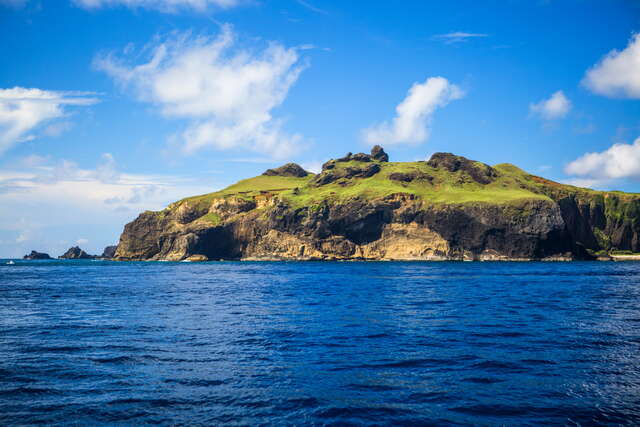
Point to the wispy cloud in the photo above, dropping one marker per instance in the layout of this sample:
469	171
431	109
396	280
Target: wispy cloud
413	114
226	94
23	110
458	37
168	6
311	7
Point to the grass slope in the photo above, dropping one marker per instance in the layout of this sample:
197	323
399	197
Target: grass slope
442	187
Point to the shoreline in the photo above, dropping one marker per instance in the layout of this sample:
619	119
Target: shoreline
612	258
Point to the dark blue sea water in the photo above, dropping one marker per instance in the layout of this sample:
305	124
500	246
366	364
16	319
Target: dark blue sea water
319	343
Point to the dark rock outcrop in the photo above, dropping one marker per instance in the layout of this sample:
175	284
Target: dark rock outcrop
481	173
36	255
331	175
109	252
377	153
76	253
410	176
290	169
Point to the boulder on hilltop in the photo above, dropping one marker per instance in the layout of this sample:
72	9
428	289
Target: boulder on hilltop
290	169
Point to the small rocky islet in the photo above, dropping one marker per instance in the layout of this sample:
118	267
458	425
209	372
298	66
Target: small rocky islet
364	207
74	252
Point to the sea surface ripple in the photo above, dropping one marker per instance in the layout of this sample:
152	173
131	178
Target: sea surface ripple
241	343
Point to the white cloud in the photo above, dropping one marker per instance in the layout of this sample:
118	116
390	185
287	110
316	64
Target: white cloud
22	110
556	106
618	162
227	94
47	204
618	73
169	6
458	36
413	114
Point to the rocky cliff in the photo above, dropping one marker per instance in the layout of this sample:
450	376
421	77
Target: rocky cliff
362	206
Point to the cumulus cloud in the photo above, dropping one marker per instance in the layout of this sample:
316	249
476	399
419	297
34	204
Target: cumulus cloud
458	36
227	94
23	110
170	6
617	75
617	162
556	106
413	114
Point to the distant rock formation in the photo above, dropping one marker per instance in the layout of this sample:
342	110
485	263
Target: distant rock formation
76	253
36	255
109	252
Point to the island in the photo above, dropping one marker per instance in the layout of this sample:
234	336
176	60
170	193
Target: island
76	253
36	255
364	207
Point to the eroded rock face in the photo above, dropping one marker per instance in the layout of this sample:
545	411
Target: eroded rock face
36	255
398	227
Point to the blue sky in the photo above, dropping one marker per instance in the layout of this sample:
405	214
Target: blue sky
111	107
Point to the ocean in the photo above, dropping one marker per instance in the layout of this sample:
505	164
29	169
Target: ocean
315	343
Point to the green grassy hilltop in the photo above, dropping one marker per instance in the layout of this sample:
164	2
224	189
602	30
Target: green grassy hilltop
427	181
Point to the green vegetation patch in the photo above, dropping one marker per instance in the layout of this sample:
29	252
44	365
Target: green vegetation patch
427	183
433	185
212	218
248	188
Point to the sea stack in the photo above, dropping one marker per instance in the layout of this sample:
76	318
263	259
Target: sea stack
76	253
36	255
109	252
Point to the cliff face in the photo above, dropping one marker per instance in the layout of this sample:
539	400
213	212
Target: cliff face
364	207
